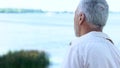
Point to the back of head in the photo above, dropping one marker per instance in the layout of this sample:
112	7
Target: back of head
96	11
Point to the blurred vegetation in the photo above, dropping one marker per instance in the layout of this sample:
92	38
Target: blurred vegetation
24	59
10	10
14	10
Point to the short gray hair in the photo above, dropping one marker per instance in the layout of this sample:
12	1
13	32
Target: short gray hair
96	11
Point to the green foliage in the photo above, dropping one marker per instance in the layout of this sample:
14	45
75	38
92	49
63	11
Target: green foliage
24	59
10	10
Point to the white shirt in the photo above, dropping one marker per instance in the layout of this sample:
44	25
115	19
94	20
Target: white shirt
92	50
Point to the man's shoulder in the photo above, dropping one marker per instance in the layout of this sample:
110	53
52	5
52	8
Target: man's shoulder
90	38
89	41
83	40
79	44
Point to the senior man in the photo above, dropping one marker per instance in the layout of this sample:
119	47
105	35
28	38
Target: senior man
92	48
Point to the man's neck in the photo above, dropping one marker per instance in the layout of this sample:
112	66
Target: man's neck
88	29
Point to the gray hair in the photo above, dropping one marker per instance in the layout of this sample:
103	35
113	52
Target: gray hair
96	11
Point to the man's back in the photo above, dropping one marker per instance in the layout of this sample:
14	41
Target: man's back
93	50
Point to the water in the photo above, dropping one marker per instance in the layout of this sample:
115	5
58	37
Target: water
49	32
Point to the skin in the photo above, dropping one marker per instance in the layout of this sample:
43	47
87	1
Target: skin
81	26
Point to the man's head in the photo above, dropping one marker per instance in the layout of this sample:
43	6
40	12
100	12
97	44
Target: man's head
90	15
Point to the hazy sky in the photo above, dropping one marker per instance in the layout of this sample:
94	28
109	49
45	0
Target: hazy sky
51	5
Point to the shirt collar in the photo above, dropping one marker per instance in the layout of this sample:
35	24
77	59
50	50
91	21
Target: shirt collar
93	33
99	34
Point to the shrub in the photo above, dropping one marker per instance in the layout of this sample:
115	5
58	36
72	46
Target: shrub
24	59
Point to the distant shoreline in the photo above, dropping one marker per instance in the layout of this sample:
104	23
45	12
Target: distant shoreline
14	10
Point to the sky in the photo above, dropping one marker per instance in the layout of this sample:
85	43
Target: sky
52	5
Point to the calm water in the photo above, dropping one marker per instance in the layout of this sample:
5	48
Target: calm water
49	32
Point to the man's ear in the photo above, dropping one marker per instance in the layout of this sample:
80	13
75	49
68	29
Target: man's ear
81	18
